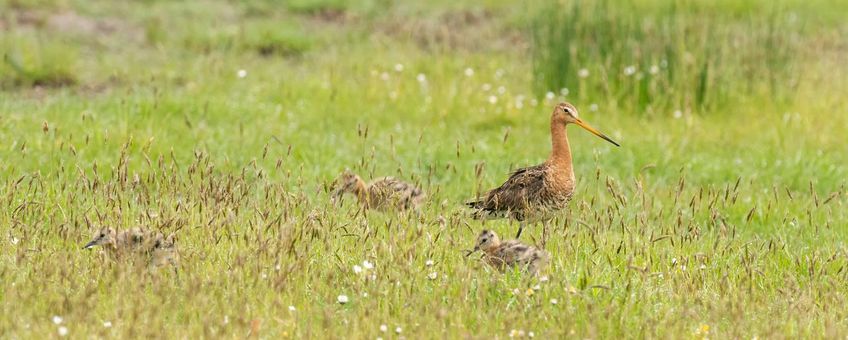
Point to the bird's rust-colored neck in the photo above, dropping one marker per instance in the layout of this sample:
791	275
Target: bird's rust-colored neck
560	150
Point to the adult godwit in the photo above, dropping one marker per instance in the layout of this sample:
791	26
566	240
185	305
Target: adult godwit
536	193
381	194
509	254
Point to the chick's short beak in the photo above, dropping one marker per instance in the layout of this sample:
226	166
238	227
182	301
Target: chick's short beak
90	245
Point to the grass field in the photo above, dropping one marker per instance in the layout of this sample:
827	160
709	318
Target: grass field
723	214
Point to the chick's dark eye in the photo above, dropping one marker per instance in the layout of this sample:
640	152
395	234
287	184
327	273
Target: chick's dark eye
102	234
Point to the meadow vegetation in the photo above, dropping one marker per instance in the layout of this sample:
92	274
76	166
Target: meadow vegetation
722	215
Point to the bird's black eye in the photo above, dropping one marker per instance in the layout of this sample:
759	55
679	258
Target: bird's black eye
102	235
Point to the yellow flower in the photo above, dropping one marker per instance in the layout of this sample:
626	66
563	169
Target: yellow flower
529	292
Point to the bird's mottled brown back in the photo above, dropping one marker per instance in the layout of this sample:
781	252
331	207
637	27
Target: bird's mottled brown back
513	253
391	192
529	193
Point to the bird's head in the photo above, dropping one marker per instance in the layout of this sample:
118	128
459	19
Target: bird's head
346	182
565	113
104	236
486	240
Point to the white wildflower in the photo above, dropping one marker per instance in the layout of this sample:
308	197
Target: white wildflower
107	324
367	265
398	67
593	107
241	73
493	100
342	299
583	73
421	78
469	72
57	319
554	301
629	70
432	276
384	328
63	331
357	269
428	263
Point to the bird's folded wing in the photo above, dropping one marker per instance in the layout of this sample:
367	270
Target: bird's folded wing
514	194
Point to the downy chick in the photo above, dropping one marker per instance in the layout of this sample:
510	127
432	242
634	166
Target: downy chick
137	243
381	194
511	253
117	244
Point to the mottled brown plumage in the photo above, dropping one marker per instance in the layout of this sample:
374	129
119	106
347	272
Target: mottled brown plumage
122	243
164	252
137	243
538	192
381	194
510	254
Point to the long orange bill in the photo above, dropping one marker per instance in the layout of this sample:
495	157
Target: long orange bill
594	131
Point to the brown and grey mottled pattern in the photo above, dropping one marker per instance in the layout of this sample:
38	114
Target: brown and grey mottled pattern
164	251
529	194
136	243
384	194
511	253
